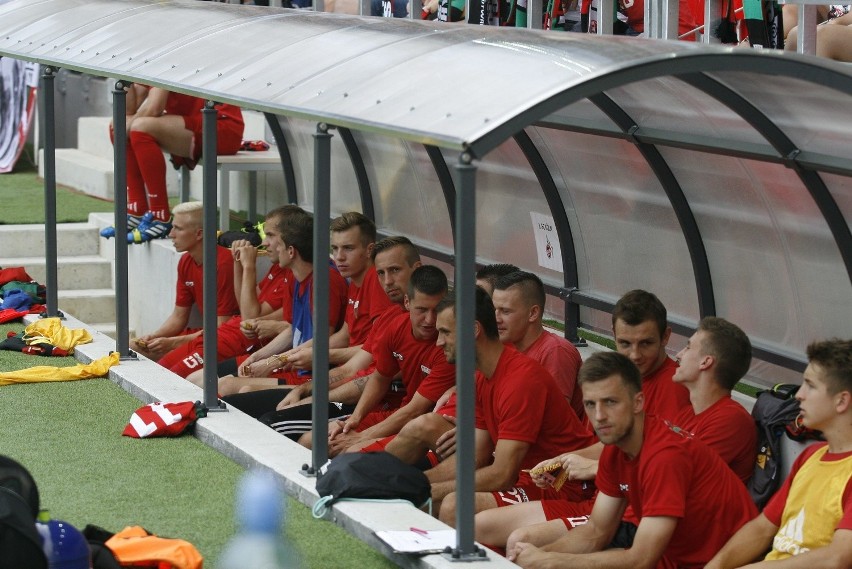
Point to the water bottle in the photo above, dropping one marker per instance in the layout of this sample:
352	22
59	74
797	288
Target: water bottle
63	544
259	542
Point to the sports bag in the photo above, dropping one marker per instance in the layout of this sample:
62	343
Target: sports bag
20	542
370	476
773	411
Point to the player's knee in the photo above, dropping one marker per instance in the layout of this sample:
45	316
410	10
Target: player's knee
306	440
448	510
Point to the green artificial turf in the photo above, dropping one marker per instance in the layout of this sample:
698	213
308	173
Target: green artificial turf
22	196
68	434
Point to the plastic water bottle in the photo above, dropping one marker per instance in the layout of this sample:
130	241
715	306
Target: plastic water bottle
259	542
63	544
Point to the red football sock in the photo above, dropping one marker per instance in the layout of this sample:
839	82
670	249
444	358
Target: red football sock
152	165
137	203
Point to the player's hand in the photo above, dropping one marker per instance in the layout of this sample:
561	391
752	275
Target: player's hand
580	468
442	400
294	397
245	368
244	252
301	358
445	446
249	328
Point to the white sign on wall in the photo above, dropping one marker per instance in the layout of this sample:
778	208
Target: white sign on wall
546	242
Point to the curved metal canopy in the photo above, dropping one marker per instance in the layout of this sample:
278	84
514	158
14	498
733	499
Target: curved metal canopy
461	87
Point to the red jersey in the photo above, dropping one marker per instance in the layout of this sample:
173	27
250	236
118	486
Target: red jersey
727	428
559	356
366	303
380	325
663	397
421	363
190	281
814	501
521	402
272	287
676	475
186	105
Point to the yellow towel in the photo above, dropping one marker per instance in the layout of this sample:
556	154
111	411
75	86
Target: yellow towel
52	331
98	368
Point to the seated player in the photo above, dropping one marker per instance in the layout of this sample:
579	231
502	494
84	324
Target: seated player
808	522
686	500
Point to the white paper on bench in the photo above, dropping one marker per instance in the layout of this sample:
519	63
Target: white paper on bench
404	541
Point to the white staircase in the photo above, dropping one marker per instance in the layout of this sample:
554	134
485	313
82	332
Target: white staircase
86	289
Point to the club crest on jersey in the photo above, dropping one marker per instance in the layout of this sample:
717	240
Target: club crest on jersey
624	488
397	355
425	370
189	283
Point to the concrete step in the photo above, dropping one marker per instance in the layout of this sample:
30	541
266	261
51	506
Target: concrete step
89	305
72	239
108	329
74	273
82	171
93	137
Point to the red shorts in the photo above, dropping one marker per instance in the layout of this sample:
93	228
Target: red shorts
229	134
189	357
573	514
570	493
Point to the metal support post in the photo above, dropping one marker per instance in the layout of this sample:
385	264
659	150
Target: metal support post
807	25
670	15
535	14
210	292
712	18
50	253
465	283
322	213
606	16
119	149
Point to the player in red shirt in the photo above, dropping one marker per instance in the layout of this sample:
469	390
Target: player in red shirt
679	489
519	304
394	258
295	252
187	237
808	522
260	305
641	333
353	237
157	121
522	418
406	348
715	358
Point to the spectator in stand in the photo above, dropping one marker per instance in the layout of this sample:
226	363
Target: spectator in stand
187	235
158	121
686	500
833	37
808	522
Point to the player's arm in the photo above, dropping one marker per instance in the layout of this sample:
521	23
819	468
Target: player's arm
836	555
376	386
443	476
749	543
596	534
174	324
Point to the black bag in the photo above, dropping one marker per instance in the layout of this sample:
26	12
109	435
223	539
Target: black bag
773	411
20	542
370	476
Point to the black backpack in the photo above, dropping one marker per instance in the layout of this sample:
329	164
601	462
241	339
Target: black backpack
370	476
775	413
20	542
